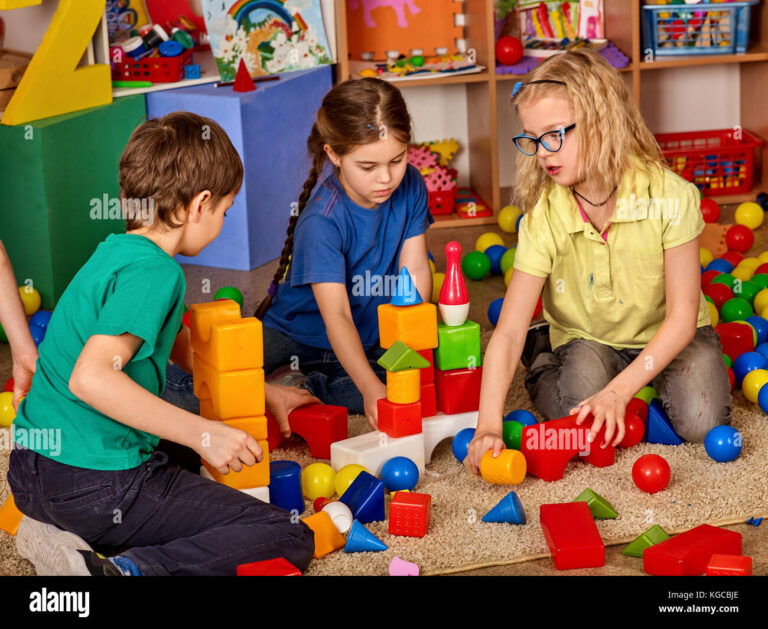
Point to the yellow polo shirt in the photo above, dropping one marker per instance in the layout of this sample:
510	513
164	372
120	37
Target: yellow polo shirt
609	290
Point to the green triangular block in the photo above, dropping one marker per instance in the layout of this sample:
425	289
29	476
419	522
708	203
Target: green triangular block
598	506
654	535
400	357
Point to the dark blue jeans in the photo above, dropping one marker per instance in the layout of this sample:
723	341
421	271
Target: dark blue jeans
167	520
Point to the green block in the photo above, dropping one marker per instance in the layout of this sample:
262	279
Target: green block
647	394
458	347
400	357
54	174
599	507
512	433
654	535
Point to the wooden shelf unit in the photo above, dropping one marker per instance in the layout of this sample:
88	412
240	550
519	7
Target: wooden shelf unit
622	27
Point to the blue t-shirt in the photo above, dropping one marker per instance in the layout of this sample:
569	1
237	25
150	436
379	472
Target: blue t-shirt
336	240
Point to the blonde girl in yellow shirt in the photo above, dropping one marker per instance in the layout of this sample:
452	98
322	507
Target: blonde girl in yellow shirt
610	240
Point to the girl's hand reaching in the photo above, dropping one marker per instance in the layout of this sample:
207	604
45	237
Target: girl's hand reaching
371	396
282	400
227	448
482	442
608	407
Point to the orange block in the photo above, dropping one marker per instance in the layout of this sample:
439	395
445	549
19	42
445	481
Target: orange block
327	536
404	387
256	475
256	426
507	469
10	516
416	326
225	340
232	393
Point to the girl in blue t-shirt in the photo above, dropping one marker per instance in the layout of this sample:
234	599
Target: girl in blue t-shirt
346	244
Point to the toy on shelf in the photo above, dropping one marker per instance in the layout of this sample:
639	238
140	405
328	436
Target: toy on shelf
431	158
400	67
278	567
571	535
509	50
410	514
509	509
689	553
651	473
243	81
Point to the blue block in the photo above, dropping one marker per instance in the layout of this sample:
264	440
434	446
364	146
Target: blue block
405	290
659	428
365	498
361	540
509	509
285	486
269	128
192	71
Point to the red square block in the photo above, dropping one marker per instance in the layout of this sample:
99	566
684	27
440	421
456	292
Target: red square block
428	400
689	553
410	513
428	373
458	390
572	536
729	566
277	567
399	420
319	425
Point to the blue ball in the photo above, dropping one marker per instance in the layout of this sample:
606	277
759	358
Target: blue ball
494	310
400	473
761	327
526	418
460	445
41	318
430	256
763	349
494	252
37	332
747	362
718	264
517	223
762	398
723	443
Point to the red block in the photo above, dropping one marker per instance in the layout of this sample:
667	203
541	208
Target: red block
458	390
409	514
572	535
319	425
689	553
736	338
428	400
599	457
277	567
399	420
729	566
274	437
548	446
428	373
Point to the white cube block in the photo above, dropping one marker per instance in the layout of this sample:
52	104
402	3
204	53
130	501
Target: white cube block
440	427
262	493
373	449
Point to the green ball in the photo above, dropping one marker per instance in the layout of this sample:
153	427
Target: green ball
3	337
512	433
761	279
747	290
508	260
724	278
736	309
728	361
476	265
417	61
647	394
229	292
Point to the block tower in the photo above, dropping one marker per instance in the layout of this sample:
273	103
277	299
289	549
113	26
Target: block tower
228	360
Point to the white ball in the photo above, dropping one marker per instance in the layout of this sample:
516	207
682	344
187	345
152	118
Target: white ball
340	514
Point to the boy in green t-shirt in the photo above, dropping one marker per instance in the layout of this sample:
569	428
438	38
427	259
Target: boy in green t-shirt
99	474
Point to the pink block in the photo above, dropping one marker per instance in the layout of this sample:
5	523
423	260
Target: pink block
401	568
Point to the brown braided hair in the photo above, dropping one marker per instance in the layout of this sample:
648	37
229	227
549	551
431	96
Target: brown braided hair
354	113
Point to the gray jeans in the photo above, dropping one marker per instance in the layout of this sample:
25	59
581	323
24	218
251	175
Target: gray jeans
694	388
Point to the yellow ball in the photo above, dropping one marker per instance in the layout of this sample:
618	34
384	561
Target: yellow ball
431	265
7	414
508	218
488	239
753	382
705	257
508	275
743	272
318	479
750	263
713	314
437	284
754	332
761	301
763	257
346	476
749	214
30	298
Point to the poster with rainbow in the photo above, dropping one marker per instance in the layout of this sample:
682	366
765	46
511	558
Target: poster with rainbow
270	35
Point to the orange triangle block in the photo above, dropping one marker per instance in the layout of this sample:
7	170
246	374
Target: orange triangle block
10	516
243	80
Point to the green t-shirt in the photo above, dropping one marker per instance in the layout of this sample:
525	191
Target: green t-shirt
131	285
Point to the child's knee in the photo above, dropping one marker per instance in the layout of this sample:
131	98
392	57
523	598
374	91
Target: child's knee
693	417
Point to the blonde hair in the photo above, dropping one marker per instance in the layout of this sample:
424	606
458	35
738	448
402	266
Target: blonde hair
609	128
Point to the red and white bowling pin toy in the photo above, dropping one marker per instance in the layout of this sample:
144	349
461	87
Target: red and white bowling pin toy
454	298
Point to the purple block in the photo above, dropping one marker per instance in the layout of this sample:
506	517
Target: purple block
613	55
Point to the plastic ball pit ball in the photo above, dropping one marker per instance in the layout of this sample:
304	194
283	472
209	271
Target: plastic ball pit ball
508	218
494	310
30	298
318	479
460	445
634	430
508	276
736	309
41	318
718	264
723	443
509	50
739	238
229	292
495	253
400	473
346	476
748	361
437	285
7	414
508	259
651	473
749	214
486	240
710	210
476	265
526	418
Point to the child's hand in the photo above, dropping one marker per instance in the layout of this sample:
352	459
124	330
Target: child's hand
282	400
24	367
370	403
480	444
227	448
608	407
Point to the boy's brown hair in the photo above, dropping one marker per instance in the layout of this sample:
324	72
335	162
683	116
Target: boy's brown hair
170	160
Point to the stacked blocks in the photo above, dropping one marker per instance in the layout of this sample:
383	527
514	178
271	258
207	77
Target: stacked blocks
409	514
428	390
458	346
458	390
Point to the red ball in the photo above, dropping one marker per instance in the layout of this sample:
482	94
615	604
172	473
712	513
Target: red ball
707	277
319	503
539	307
739	238
763	268
8	385
509	50
710	210
634	429
185	318
731	377
651	473
638	407
734	257
719	293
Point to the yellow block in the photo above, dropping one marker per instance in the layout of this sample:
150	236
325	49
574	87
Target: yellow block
404	387
507	469
223	338
256	425
416	326
10	516
327	536
256	475
232	393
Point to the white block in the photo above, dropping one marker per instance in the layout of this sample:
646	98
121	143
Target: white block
373	449
440	427
262	493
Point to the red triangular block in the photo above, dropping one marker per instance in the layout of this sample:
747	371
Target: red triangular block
243	80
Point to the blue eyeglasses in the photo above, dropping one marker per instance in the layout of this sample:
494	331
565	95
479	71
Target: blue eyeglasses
551	140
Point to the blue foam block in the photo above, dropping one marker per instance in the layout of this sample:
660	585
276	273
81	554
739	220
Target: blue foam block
659	428
365	498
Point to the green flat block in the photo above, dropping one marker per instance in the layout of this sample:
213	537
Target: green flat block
56	174
647	394
458	347
400	357
599	507
654	535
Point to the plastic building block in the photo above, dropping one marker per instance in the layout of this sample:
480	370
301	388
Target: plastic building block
428	397
548	446
192	71
689	553
373	449
275	438
361	540
509	509
729	566
243	80
599	507
327	536
232	393
340	514
256	475
441	427
458	390
659	428
409	514
506	469
571	535
735	338
399	420
427	373
277	567
223	339
261	493
755	521
598	456
400	357
320	425
254	426
10	516
416	326
654	535
458	346
285	486
403	387
405	290
365	498
400	568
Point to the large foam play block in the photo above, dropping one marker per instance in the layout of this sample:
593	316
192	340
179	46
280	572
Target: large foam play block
654	535
410	514
400	357
689	553
373	449
327	536
10	516
428	399
428	373
729	566
224	339
458	390
59	189
658	427
571	535
458	346
256	475
232	393
403	387
268	127
441	427
278	567
320	425
365	498
399	420
416	326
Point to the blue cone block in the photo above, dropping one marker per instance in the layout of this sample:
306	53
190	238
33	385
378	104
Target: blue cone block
509	509
285	486
405	292
659	428
361	540
365	498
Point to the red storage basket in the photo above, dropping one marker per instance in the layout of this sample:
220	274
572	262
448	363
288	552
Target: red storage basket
719	162
442	202
157	69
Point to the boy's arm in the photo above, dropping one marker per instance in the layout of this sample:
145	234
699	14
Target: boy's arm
413	256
